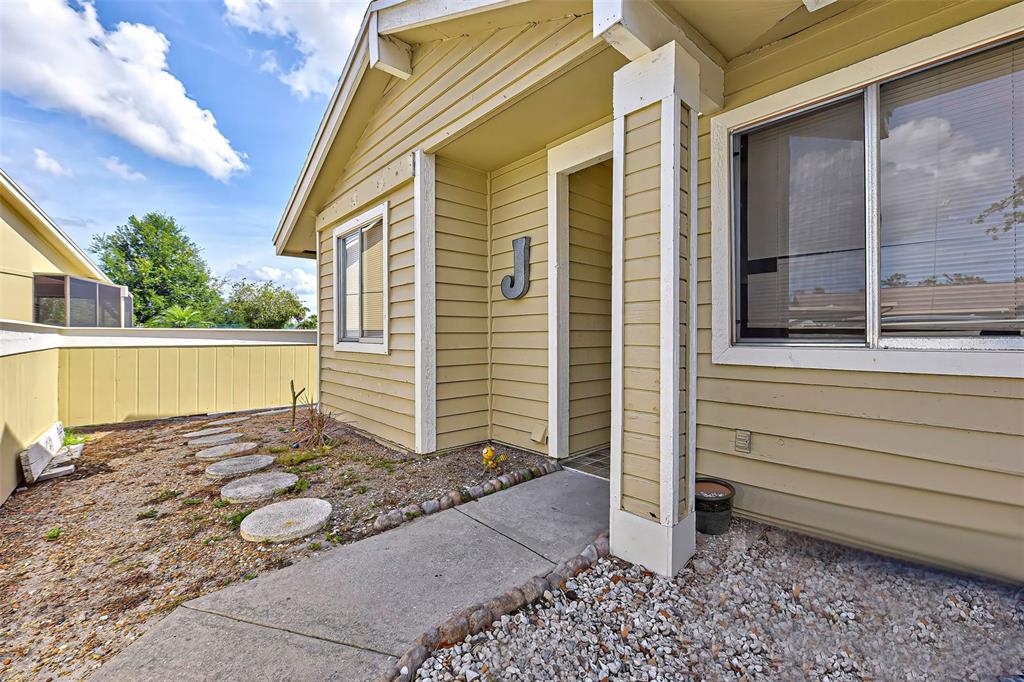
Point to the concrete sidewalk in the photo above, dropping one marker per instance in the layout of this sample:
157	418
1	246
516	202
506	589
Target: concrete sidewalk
351	612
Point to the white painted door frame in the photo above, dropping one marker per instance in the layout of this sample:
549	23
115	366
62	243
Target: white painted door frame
593	146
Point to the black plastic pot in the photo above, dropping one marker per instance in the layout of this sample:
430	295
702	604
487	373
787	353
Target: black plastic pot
713	502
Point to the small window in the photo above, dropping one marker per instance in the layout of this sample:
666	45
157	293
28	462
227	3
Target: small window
110	305
50	306
82	302
800	208
361	282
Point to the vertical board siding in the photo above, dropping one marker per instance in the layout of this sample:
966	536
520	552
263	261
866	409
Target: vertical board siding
462	246
519	329
375	392
109	385
922	466
29	389
641	314
590	310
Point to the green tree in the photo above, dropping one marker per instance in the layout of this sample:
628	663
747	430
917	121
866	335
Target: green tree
308	323
176	316
160	265
261	305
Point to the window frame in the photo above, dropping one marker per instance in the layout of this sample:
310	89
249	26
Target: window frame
340	233
974	356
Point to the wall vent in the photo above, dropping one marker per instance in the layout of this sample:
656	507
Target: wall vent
742	441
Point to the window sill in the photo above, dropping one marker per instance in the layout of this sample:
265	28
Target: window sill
1007	363
357	347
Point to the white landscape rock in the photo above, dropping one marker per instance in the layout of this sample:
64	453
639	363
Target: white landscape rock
218	439
206	432
236	466
231	420
287	520
257	487
224	451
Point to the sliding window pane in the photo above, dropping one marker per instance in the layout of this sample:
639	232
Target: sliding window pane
952	243
801	220
373	282
110	306
350	281
83	303
50	305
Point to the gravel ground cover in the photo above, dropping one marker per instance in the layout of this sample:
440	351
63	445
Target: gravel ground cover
91	561
757	603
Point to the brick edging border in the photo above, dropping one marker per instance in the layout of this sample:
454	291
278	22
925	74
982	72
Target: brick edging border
476	618
396	517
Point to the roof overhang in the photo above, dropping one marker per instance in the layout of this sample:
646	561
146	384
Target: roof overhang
50	230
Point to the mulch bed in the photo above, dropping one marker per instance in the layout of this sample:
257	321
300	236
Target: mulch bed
141	530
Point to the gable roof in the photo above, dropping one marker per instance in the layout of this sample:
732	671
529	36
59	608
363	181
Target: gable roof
38	219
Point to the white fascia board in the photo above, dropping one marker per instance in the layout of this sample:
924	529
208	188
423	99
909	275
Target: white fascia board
402	16
355	67
638	27
815	5
387	53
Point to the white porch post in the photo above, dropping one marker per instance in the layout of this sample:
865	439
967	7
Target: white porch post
656	97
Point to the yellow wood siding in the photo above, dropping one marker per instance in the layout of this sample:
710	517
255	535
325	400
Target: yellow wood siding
108	385
28	402
641	268
926	467
590	291
375	392
519	329
462	248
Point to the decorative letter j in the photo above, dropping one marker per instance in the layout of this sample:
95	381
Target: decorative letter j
517	284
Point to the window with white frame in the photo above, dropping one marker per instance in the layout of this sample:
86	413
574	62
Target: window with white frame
895	212
360	261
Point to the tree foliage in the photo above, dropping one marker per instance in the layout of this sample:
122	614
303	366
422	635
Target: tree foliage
177	316
261	305
159	264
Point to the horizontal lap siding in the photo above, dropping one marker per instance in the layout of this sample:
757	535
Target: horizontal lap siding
371	391
519	328
28	403
641	314
110	385
462	319
590	292
923	466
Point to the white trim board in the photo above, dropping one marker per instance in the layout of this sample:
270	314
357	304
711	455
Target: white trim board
424	191
587	149
380	211
945	356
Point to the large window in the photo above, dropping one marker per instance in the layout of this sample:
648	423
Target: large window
360	259
62	300
894	213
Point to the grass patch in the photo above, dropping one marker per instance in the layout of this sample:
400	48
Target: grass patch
301	485
235	520
213	538
413	514
192	501
334	538
53	533
361	489
148	514
277	449
298	457
72	437
166	495
220	504
315	546
248	576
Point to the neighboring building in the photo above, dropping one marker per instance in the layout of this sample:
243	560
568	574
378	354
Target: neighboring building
45	277
789	221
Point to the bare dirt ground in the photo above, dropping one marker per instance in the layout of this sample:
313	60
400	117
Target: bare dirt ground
141	530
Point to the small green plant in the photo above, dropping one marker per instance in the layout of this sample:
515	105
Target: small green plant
278	449
148	514
53	534
248	576
166	495
299	457
212	539
300	486
362	489
191	502
315	546
334	538
235	520
316	428
220	504
72	437
412	514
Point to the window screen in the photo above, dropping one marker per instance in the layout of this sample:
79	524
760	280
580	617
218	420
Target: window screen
50	304
373	282
801	214
82	302
110	305
361	283
951	188
129	310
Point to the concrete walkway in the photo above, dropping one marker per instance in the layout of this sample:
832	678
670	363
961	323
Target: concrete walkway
351	612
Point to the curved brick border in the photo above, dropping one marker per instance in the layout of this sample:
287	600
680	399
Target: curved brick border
396	517
476	618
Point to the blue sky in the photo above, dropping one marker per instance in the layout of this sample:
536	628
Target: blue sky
106	118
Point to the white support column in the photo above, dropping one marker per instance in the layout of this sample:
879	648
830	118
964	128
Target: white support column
668	78
426	304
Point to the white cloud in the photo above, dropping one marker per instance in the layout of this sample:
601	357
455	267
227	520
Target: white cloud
121	169
321	30
48	164
117	79
296	279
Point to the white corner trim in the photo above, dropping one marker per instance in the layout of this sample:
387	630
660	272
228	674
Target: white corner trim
691	308
580	152
424	189
658	548
669	291
618	186
380	211
946	356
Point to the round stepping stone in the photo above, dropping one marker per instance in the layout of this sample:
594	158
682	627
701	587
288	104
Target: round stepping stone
232	420
206	432
236	466
219	439
287	520
225	451
257	487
